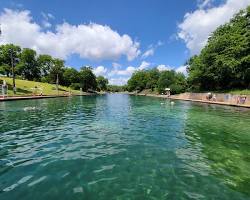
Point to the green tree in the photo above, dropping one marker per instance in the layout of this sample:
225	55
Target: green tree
153	76
166	79
2	70
179	85
116	88
102	83
170	79
87	79
28	67
7	52
45	63
138	81
224	63
56	70
70	76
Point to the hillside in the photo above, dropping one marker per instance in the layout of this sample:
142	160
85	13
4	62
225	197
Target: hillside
25	88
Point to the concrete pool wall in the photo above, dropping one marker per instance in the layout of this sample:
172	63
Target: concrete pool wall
230	99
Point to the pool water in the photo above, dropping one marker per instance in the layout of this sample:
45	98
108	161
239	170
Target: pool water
123	147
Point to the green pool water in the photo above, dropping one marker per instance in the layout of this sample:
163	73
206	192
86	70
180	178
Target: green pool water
123	147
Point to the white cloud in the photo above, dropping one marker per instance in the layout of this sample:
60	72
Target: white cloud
144	65
116	65
91	41
116	76
182	69
149	52
100	71
50	16
46	24
118	81
119	76
163	67
204	3
127	72
46	18
198	25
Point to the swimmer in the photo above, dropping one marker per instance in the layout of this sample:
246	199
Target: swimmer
29	108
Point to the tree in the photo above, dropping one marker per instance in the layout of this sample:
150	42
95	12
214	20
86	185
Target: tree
170	79
56	70
117	88
87	79
138	81
166	79
179	85
2	70
45	63
153	76
70	76
9	53
224	62
28	67
154	79
102	83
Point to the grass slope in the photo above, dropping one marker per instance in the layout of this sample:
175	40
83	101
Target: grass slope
240	92
25	88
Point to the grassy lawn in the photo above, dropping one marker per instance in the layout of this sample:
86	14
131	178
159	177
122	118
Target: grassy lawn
240	92
233	91
25	88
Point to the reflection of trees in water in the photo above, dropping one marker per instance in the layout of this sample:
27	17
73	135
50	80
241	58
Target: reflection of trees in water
222	135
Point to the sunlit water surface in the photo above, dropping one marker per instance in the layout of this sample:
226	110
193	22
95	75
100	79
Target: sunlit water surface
123	147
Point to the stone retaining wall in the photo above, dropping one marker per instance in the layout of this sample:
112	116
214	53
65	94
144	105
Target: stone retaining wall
220	97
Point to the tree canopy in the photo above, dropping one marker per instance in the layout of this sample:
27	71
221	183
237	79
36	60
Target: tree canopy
6	52
153	79
30	66
102	83
224	63
87	79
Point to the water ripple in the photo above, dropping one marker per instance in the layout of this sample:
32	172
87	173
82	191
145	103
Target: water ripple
123	147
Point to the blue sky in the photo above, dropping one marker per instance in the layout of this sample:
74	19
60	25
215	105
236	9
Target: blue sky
116	37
